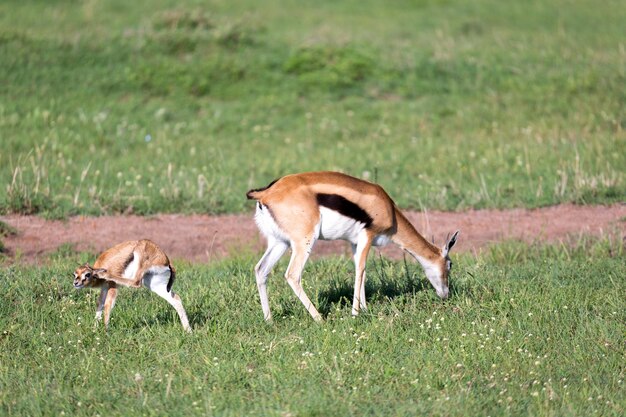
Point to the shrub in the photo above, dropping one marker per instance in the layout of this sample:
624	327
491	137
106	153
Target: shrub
330	67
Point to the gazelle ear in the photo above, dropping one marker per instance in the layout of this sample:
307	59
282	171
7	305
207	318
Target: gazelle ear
450	243
99	271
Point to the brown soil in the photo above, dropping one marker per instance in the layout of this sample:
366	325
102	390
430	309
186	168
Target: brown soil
203	238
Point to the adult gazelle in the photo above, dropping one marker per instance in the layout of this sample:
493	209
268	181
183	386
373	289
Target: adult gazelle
297	210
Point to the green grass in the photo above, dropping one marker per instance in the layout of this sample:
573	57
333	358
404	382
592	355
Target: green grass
169	106
528	330
5	230
181	106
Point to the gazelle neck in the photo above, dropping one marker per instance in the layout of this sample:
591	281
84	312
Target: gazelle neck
428	255
413	242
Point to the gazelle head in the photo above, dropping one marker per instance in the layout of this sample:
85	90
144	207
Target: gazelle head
438	273
86	276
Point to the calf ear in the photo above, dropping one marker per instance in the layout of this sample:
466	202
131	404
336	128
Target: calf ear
451	242
99	271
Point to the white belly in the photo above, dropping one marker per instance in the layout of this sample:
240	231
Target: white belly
334	226
132	267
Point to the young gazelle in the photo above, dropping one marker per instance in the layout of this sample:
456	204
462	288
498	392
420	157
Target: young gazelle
296	210
131	264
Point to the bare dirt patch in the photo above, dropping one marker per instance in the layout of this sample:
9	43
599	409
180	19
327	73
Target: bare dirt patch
203	238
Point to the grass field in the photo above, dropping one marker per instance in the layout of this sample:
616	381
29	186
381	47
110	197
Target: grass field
170	106
182	106
527	331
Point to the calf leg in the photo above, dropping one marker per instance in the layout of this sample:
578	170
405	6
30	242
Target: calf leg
101	299
157	282
109	304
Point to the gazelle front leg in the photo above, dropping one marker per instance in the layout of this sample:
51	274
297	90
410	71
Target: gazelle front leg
133	283
360	252
275	249
300	254
101	299
109	303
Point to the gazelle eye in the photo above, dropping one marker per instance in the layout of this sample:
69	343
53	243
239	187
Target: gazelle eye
88	275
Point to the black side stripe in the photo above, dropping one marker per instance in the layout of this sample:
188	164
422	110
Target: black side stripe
128	261
345	207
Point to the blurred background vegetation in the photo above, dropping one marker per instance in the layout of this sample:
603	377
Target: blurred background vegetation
182	106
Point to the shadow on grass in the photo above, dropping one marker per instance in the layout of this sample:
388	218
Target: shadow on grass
379	285
384	282
198	316
167	316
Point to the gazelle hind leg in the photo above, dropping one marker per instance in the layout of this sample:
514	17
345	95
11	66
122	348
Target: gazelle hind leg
360	252
176	302
156	281
275	249
300	254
